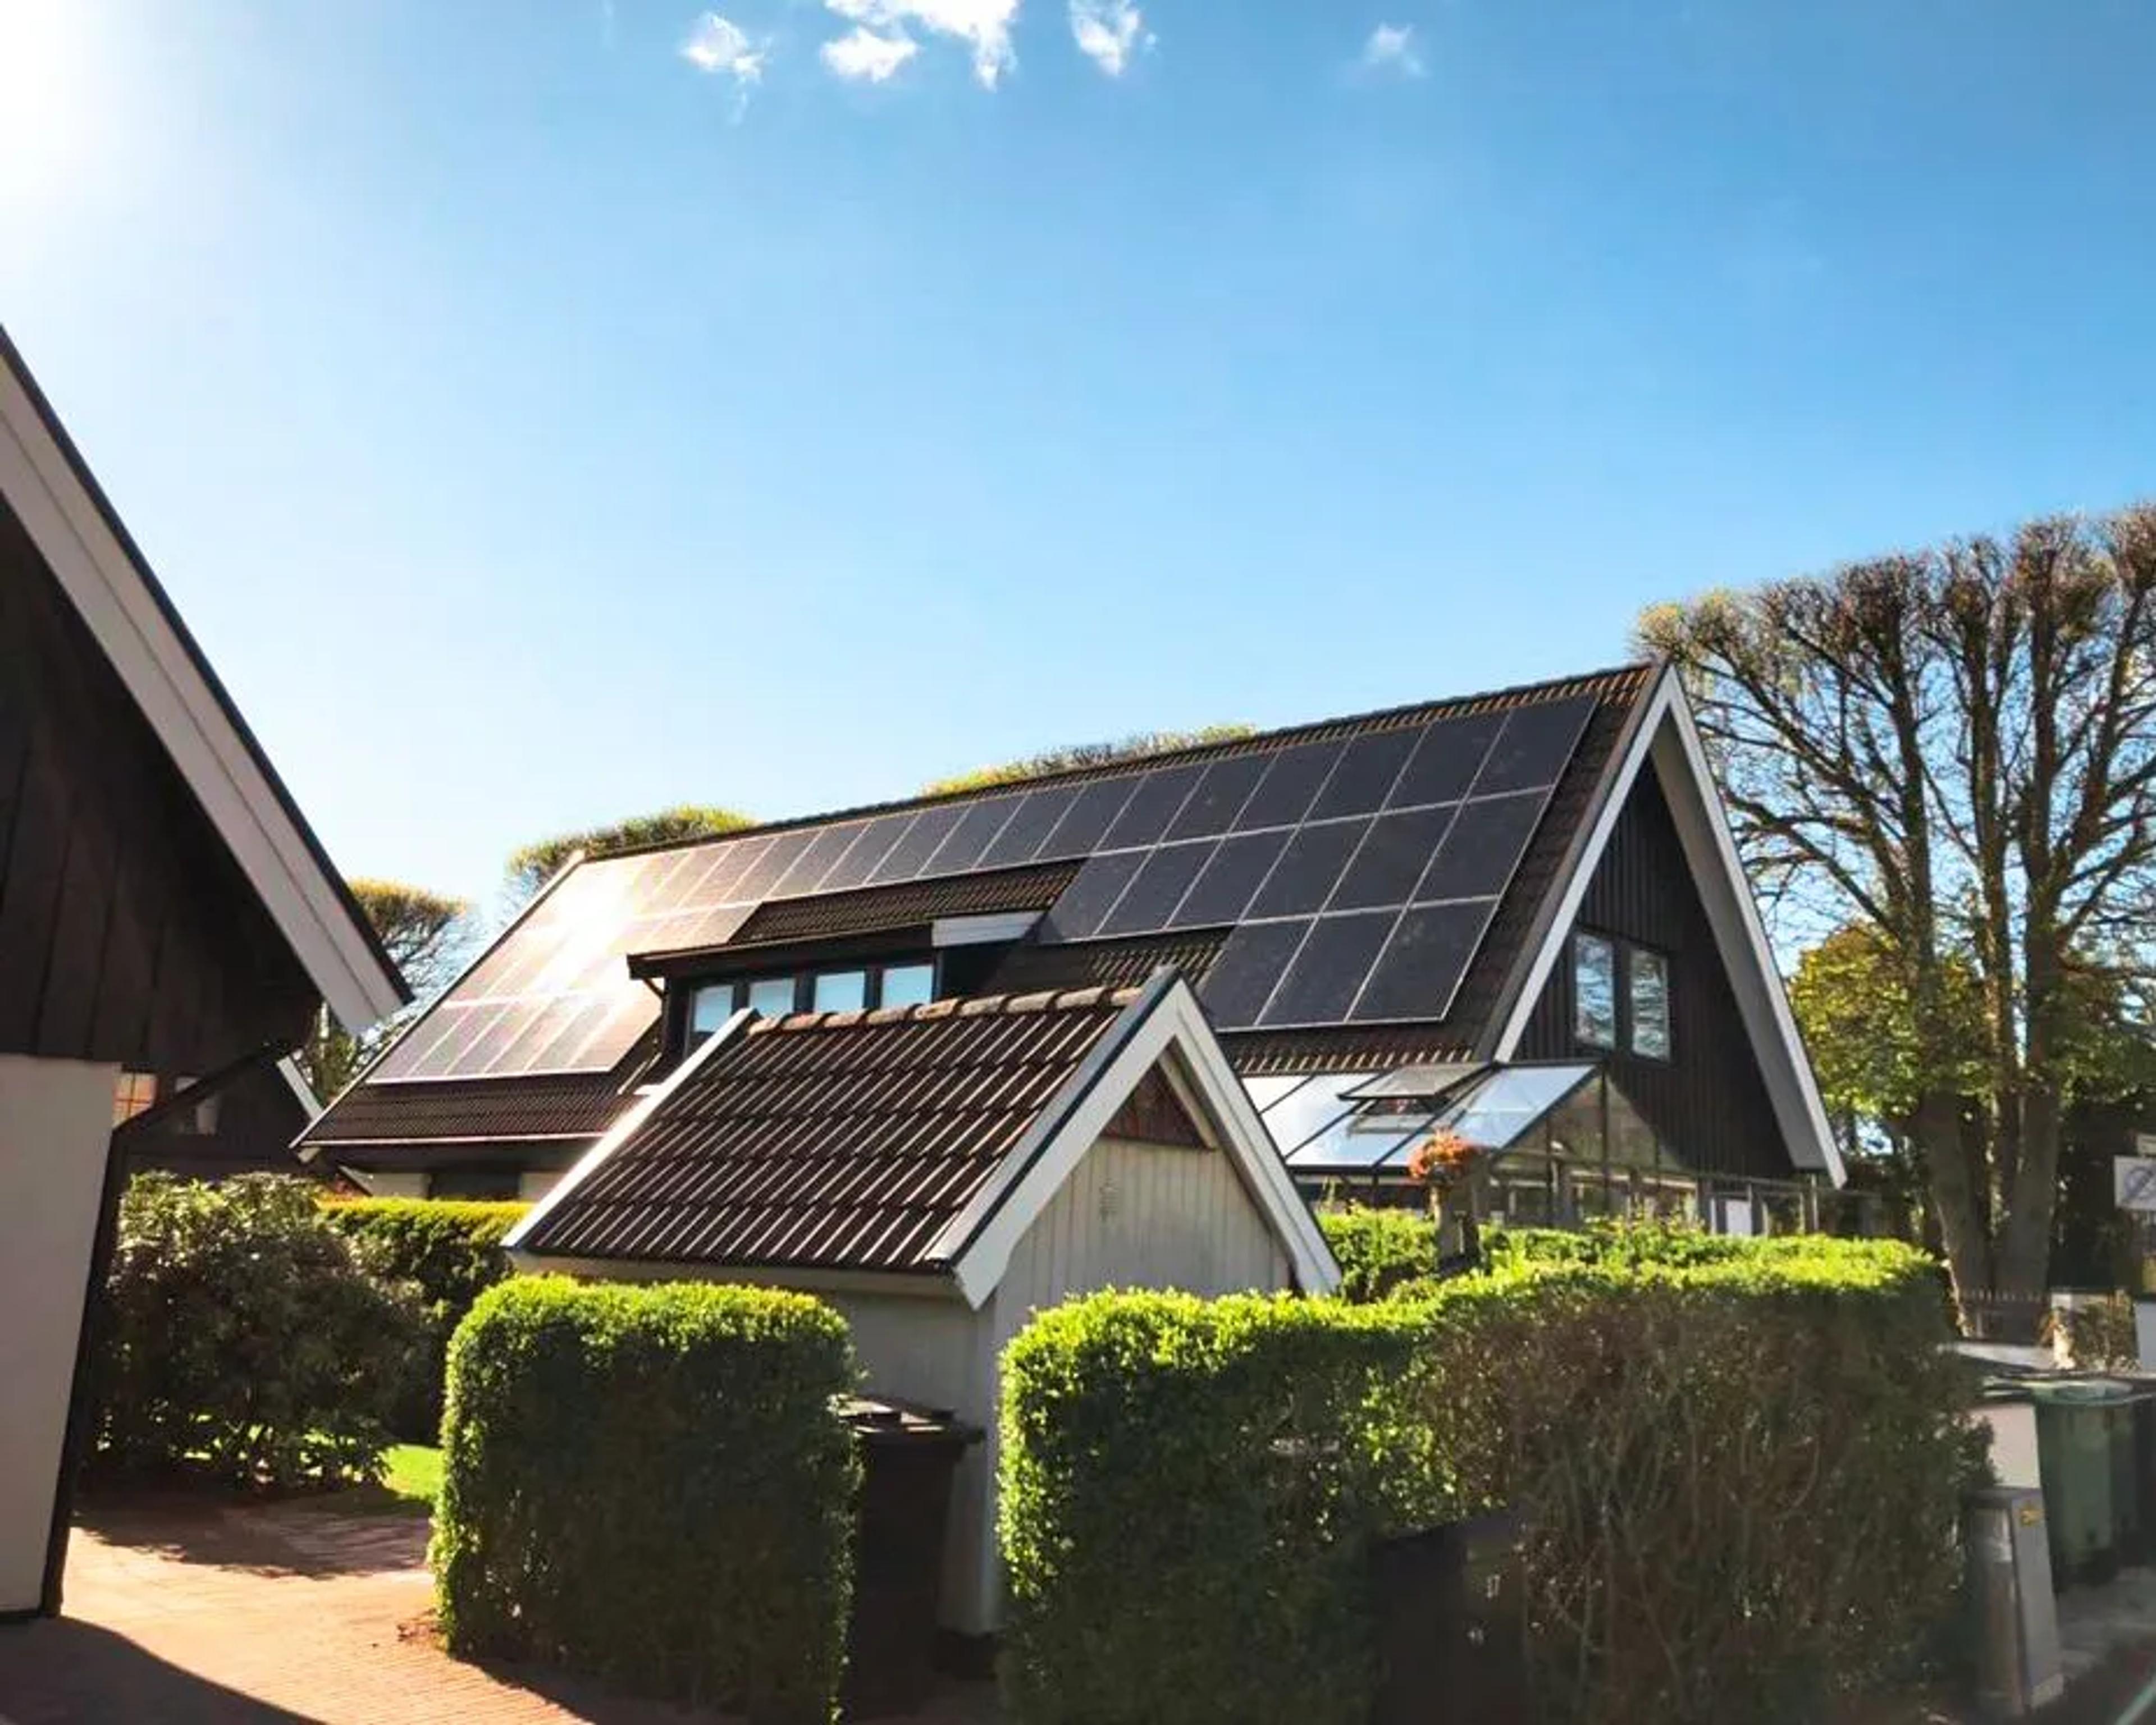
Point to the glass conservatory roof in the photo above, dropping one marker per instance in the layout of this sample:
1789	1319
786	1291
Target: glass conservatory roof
1368	1122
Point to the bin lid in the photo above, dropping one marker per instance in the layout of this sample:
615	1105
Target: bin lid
2088	1392
886	1420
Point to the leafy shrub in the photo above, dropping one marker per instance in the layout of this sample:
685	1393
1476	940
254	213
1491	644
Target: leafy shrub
1379	1251
451	1251
650	1485
1738	1481
1187	1488
242	1339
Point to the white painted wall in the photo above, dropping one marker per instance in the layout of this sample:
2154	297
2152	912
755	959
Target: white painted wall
1131	1215
55	1120
401	1183
531	1187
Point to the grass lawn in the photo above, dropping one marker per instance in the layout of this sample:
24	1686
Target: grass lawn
411	1480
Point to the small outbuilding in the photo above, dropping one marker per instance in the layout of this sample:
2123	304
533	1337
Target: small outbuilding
939	1172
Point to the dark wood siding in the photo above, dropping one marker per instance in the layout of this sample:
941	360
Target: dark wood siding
1709	1103
127	933
257	1118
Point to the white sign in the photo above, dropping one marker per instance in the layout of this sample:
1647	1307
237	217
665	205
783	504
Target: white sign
2134	1182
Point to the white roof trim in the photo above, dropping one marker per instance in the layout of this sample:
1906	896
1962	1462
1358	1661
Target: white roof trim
625	1123
303	1092
116	598
1667	740
978	1243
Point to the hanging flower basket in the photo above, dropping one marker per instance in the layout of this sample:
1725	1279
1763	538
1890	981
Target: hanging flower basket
1442	1160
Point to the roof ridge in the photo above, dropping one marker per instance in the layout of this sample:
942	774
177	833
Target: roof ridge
1556	688
972	1006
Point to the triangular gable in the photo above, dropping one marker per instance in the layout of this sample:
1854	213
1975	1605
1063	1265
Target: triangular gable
111	587
1664	739
1165	1030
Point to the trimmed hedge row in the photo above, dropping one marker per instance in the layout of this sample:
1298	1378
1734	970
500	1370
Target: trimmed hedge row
651	1486
1738	1480
241	1339
450	1249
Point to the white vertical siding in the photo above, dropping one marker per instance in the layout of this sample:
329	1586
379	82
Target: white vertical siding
931	1350
1130	1216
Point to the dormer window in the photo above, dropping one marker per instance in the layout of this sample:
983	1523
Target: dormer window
838	988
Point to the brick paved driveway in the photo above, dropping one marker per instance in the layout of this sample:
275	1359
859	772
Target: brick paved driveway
180	1611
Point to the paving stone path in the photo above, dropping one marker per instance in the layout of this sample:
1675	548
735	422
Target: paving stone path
179	1612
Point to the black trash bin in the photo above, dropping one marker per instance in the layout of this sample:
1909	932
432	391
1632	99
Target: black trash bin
1450	1625
908	1456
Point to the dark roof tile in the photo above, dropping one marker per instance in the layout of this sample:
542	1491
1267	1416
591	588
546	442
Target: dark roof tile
831	1140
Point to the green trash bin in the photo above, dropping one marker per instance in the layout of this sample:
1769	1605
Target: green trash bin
2086	1455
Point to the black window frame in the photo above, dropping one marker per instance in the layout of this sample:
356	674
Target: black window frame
1635	952
1581	938
1625	958
682	1035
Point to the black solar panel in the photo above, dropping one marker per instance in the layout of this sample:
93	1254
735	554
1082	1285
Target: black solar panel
1366	774
1356	877
1327	972
1156	802
1309	869
1249	969
1028	829
1150	899
1231	877
1220	797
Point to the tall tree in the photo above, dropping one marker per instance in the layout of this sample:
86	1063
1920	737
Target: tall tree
1957	748
1072	756
424	933
530	868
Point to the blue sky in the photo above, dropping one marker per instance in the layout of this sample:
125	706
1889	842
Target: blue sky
547	411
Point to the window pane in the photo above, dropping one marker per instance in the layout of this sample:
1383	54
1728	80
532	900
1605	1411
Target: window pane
1595	990
772	996
842	991
1650	1004
709	1008
908	984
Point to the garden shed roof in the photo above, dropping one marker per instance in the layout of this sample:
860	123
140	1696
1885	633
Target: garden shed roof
920	1139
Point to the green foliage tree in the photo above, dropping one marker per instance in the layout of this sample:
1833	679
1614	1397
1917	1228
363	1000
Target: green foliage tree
531	867
1957	748
1074	755
425	933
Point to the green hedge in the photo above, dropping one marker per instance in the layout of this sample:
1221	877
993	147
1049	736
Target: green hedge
1738	1481
240	1339
1379	1251
650	1485
451	1251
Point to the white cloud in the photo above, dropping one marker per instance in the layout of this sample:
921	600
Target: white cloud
1393	48
1108	31
864	55
718	46
984	26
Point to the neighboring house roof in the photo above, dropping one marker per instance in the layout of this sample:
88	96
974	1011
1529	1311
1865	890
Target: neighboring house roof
98	566
555	993
918	1140
1457	837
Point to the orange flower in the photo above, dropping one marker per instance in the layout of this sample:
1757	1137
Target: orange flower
1440	1158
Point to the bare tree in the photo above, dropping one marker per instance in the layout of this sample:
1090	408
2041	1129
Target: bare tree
1958	748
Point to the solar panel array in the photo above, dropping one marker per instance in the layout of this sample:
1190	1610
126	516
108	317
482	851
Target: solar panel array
1359	874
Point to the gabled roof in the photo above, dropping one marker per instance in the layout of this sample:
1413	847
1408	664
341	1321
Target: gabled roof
920	1140
99	567
1236	823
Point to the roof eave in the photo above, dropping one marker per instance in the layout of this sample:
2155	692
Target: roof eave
110	585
